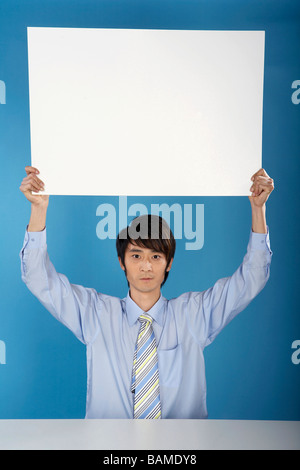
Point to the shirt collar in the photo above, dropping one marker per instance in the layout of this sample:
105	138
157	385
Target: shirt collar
134	311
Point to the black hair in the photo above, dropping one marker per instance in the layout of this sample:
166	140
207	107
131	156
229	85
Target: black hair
148	231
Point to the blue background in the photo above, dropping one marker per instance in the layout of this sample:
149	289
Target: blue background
249	370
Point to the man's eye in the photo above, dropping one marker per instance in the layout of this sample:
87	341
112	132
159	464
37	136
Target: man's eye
136	256
156	256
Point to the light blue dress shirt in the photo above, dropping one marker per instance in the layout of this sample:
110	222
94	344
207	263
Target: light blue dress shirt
108	326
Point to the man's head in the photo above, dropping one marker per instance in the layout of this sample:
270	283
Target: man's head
146	250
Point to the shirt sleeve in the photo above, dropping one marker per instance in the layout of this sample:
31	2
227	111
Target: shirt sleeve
217	306
73	305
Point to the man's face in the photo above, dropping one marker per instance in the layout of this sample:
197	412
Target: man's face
145	268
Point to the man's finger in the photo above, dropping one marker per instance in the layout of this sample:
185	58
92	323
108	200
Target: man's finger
32	177
262	187
37	180
260	172
29	187
262	180
31	169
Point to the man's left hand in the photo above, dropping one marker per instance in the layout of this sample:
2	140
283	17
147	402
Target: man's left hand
261	188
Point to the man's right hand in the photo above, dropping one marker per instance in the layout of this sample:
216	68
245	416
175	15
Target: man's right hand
32	183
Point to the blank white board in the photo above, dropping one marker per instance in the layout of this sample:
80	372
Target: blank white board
146	112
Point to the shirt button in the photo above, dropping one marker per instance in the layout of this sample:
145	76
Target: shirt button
32	239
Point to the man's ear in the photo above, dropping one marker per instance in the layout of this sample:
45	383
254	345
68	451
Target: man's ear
170	265
121	264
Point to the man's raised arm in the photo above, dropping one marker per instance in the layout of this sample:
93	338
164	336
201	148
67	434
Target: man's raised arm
39	203
73	305
262	186
230	295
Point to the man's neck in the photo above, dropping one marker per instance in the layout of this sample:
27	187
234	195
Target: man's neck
145	300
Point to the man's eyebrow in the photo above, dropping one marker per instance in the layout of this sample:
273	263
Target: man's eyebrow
139	250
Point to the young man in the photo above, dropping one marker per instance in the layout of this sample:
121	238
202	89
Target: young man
144	352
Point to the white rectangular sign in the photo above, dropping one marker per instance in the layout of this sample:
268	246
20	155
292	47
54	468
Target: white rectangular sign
146	112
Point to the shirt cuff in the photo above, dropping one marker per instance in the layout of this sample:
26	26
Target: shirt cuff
260	241
34	240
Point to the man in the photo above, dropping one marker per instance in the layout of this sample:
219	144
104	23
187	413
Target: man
144	352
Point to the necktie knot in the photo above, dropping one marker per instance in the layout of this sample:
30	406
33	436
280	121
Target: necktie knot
145	318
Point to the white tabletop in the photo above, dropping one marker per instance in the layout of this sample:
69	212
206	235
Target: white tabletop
148	434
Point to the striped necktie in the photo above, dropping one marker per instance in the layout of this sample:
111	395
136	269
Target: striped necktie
145	377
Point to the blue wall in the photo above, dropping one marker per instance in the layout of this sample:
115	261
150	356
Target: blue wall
250	373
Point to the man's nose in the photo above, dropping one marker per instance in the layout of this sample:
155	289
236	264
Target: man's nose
146	265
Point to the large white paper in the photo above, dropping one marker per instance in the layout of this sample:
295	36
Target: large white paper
146	112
